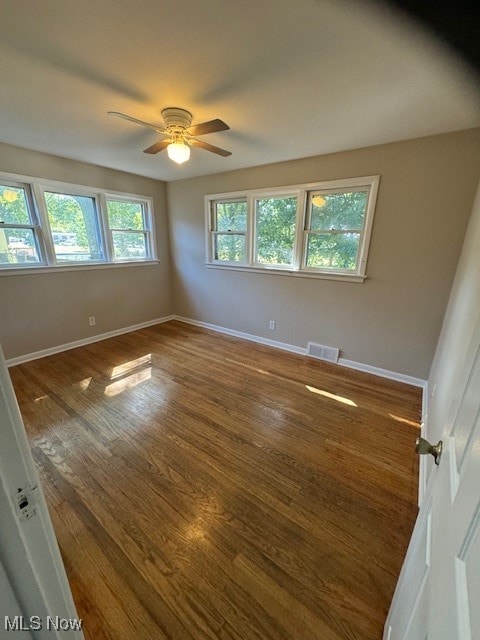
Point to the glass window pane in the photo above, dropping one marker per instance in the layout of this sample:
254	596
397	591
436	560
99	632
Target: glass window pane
275	227
231	216
74	225
125	215
229	247
338	210
13	205
17	246
333	251
129	246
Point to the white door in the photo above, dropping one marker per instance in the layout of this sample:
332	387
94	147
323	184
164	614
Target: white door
438	593
34	591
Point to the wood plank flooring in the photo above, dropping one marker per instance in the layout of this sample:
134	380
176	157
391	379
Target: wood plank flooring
204	487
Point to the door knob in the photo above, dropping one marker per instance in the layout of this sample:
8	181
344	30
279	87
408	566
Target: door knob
423	447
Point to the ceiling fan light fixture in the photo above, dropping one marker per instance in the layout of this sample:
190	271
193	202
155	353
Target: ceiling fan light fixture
179	133
178	152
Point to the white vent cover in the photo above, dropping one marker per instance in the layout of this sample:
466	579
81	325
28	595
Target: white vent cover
322	352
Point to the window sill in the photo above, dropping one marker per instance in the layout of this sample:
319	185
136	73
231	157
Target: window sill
297	274
37	270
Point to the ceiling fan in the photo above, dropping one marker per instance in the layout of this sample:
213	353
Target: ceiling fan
180	133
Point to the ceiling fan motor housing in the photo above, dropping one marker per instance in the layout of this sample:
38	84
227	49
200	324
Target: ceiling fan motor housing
176	118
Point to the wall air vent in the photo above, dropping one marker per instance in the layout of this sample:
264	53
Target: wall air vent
322	352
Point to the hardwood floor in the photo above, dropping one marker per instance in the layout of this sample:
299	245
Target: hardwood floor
205	487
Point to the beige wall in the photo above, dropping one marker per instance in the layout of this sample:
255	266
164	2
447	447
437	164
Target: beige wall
460	337
393	319
38	311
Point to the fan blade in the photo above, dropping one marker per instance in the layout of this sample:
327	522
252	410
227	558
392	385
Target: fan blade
158	146
144	124
207	127
210	147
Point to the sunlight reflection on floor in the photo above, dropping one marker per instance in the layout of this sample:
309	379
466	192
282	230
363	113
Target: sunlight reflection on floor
405	421
128	382
83	384
121	369
331	396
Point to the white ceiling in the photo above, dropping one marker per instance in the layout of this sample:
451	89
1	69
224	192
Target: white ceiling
291	78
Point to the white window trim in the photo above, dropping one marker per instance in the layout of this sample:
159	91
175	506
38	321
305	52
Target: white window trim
371	183
273	194
35	224
48	262
36	270
51	257
148	229
214	233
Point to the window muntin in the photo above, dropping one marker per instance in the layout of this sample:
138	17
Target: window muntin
275	222
229	224
320	229
74	226
129	225
334	228
19	241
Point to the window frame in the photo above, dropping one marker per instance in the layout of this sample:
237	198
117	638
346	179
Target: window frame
361	260
215	232
50	246
147	231
274	196
35	190
304	193
34	225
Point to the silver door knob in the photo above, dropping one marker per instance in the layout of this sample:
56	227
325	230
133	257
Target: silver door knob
423	447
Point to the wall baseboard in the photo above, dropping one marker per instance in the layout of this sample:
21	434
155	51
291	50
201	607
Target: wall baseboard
243	335
383	373
35	355
367	368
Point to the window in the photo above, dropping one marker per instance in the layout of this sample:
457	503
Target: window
316	230
129	227
275	220
18	226
75	230
53	225
335	221
229	230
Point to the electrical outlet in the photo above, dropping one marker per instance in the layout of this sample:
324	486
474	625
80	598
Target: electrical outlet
272	325
91	321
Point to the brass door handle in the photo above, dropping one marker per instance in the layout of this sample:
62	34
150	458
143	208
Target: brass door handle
423	447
